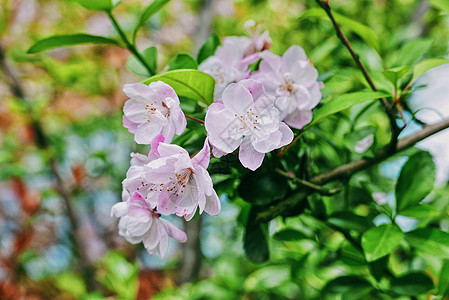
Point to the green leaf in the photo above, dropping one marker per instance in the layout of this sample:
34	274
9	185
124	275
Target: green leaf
343	102
412	284
426	65
365	32
64	40
440	4
412	51
262	187
151	9
443	282
420	212
431	241
381	241
192	84
415	181
72	284
182	61
103	5
346	284
267	277
289	234
396	74
136	67
255	239
208	48
349	221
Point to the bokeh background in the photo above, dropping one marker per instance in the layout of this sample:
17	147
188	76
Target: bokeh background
63	145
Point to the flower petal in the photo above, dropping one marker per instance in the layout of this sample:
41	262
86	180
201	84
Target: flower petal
248	156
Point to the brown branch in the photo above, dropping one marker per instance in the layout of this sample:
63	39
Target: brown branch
346	171
41	141
391	112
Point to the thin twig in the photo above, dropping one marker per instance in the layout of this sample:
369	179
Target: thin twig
348	170
309	185
129	45
41	141
395	130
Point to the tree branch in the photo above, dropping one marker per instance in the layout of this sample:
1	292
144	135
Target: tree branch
391	112
346	171
41	141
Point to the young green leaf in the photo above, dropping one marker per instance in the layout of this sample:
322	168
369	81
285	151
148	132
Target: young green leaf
64	40
151	9
208	48
443	282
349	221
182	61
395	74
440	4
102	5
420	212
381	241
346	284
289	234
431	241
267	277
343	102
426	65
415	181
412	51
365	32
412	284
136	67
192	84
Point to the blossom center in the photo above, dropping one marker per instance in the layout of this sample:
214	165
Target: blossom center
151	109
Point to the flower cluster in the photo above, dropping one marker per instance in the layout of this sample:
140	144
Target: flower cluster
252	112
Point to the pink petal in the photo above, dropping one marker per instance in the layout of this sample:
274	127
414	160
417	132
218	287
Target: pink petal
213	205
248	156
299	118
237	98
293	54
202	158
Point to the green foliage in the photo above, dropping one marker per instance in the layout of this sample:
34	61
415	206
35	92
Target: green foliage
426	65
255	240
412	284
431	241
343	102
262	187
182	61
380	241
416	180
365	32
192	84
440	4
136	67
102	5
119	275
65	40
208	48
289	234
149	11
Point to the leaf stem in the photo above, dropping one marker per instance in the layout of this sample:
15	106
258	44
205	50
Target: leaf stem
308	184
131	47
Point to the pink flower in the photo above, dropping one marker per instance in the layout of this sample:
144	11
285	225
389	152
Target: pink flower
152	110
246	118
230	63
140	223
173	182
292	79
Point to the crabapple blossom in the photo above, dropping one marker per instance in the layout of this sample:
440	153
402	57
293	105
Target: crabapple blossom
292	79
151	110
140	223
246	118
173	182
231	60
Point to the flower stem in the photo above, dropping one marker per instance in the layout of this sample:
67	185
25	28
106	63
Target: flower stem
131	47
195	119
